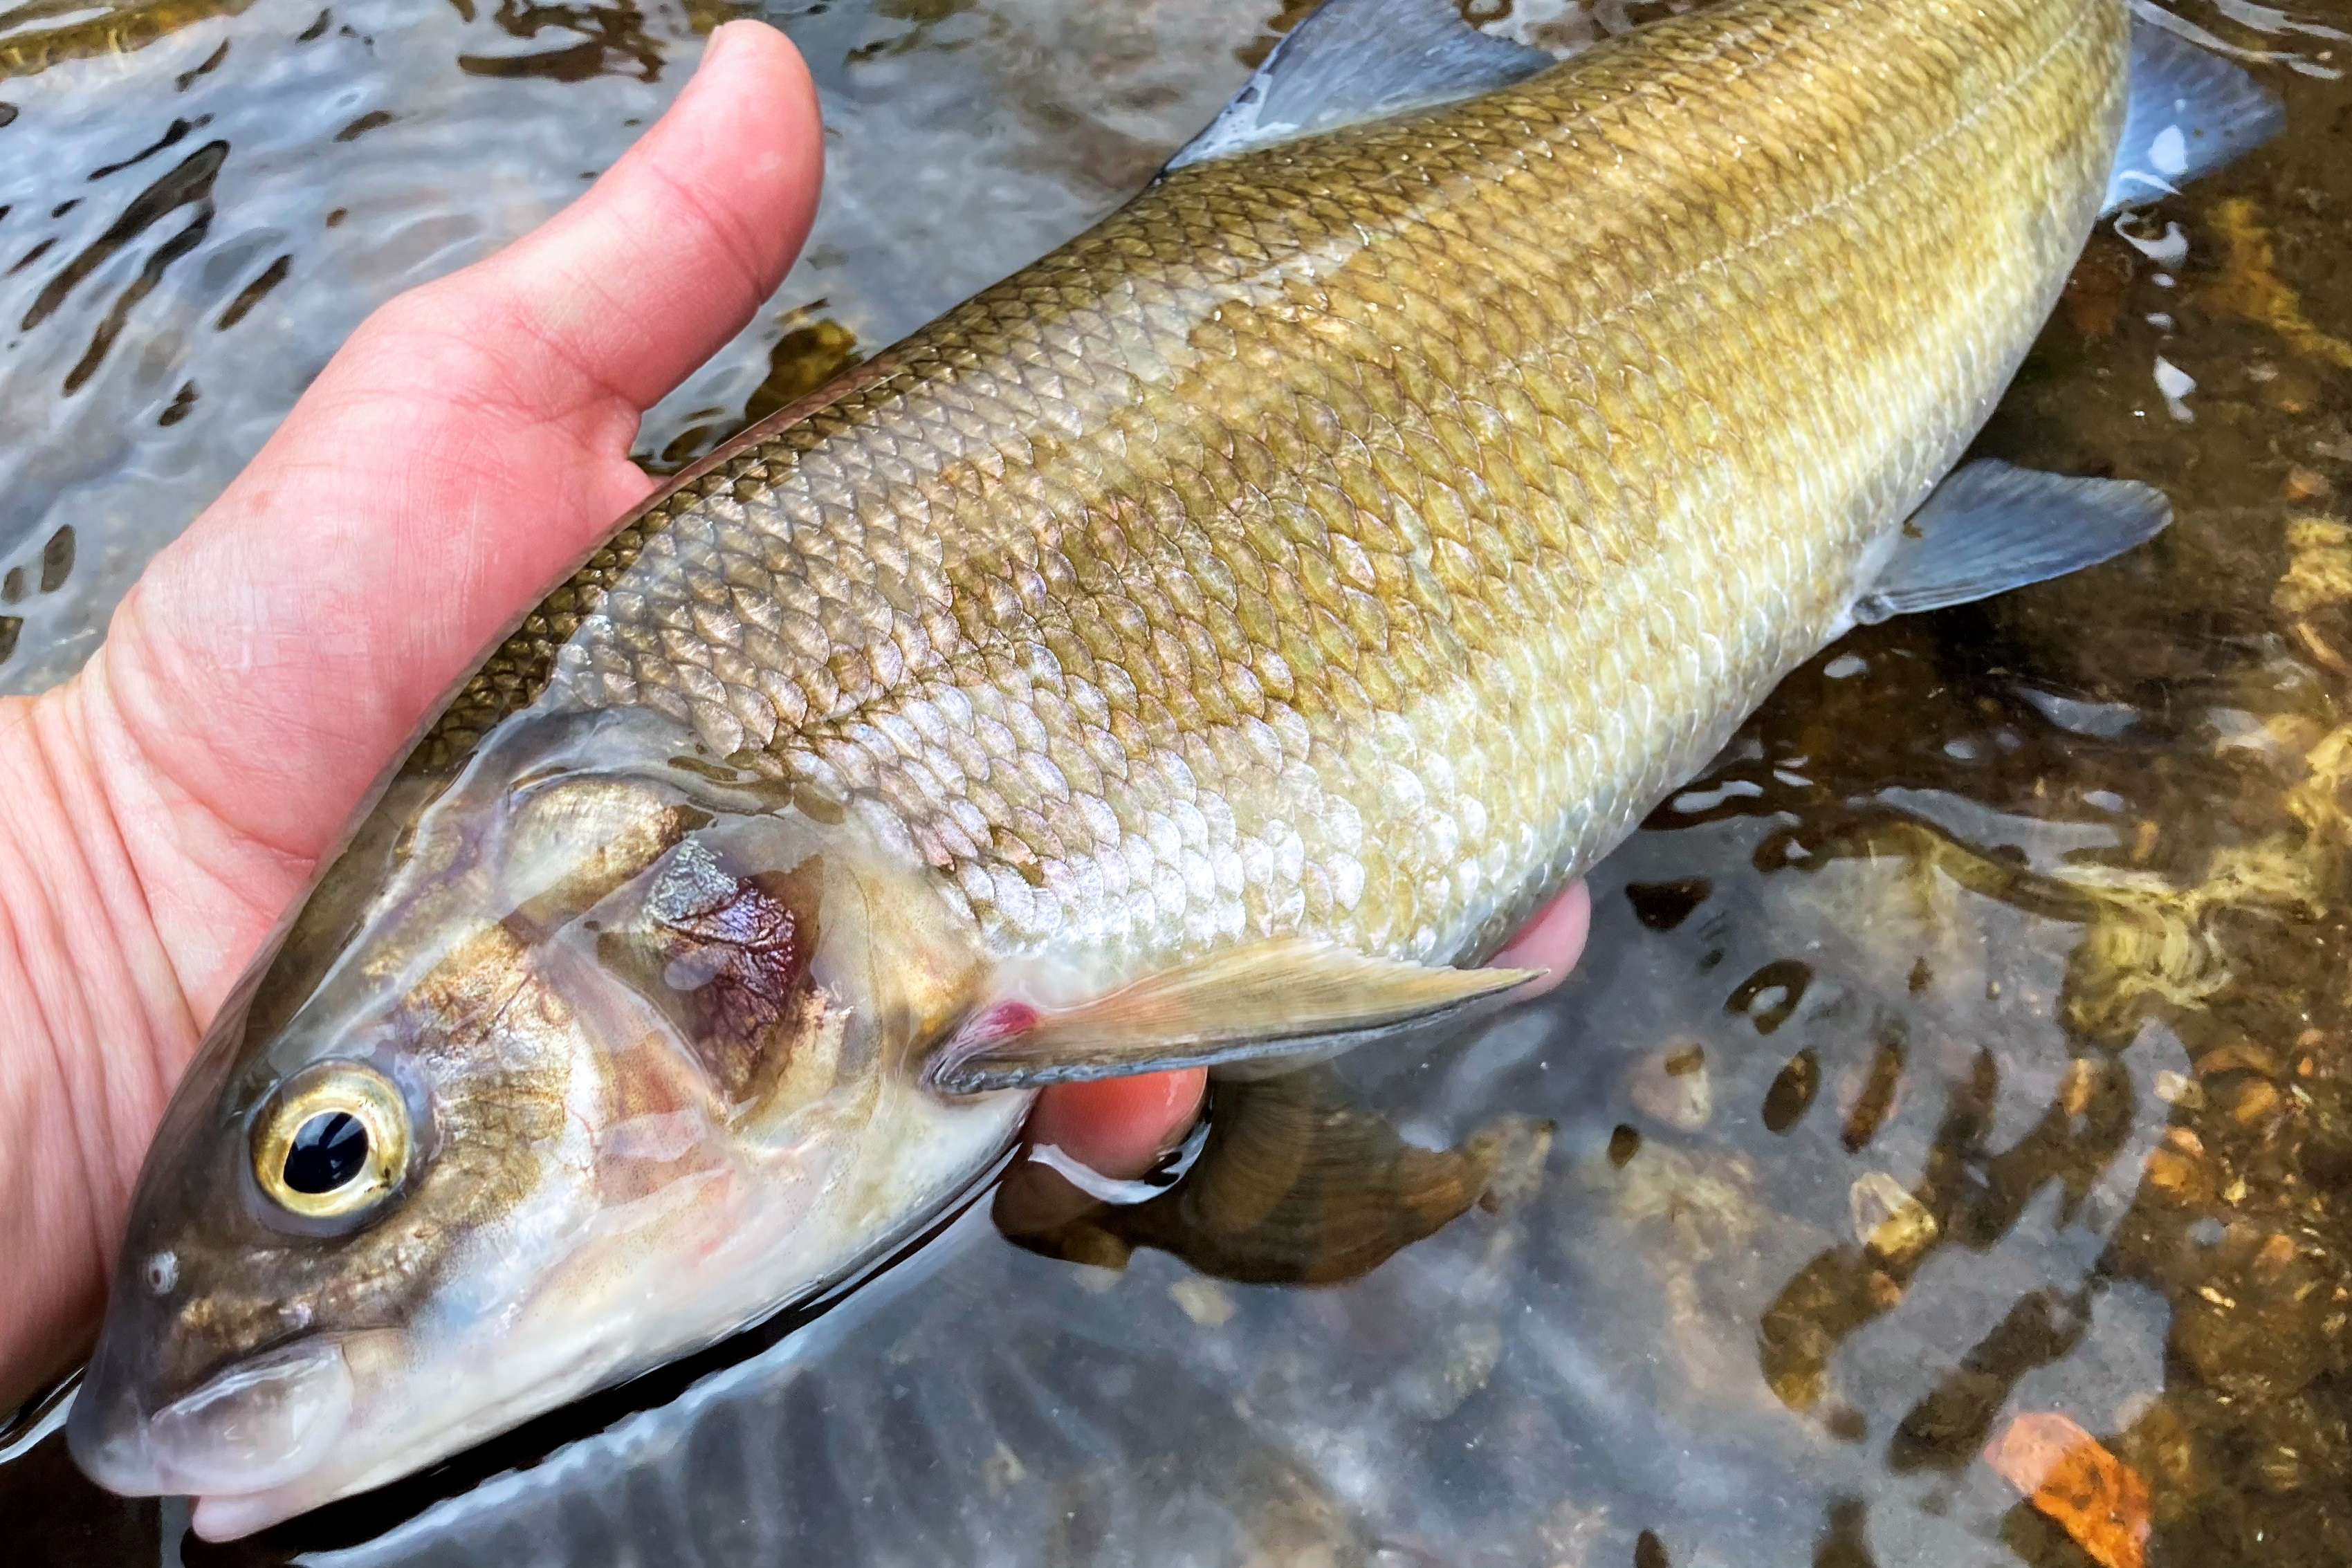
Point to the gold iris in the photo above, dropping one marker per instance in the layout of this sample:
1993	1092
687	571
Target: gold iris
333	1141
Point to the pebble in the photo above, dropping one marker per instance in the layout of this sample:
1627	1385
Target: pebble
1670	1087
1894	1226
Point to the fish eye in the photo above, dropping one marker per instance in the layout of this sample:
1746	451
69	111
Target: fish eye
332	1143
328	1150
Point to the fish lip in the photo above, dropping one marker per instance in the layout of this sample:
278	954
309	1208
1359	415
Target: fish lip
261	1423
109	1453
227	1516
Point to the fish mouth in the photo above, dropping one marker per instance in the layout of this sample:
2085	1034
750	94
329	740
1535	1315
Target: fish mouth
235	1441
302	1424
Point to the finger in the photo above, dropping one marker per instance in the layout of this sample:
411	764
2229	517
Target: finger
712	203
1120	1126
1551	940
461	453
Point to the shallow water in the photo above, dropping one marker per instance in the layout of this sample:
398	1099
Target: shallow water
1971	1044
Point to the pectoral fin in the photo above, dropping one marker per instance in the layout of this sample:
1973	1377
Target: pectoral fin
1353	61
1992	526
1284	997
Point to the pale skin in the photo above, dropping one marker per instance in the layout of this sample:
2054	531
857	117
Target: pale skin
466	446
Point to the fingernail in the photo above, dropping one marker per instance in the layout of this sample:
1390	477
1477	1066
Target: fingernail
722	43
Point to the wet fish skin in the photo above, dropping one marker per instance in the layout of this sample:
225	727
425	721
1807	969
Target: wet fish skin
1348	539
1353	538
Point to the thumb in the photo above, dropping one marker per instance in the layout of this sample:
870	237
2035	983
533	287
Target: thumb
463	451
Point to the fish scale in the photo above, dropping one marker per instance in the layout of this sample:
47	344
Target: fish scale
1353	538
1356	537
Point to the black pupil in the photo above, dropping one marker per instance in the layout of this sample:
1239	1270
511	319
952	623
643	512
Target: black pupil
328	1151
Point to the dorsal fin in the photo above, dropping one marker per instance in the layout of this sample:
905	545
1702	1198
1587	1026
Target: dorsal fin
1352	61
2190	112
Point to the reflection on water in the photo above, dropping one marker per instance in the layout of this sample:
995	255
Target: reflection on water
1944	1156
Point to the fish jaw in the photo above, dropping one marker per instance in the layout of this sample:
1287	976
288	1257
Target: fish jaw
252	1445
256	1425
228	1516
324	1417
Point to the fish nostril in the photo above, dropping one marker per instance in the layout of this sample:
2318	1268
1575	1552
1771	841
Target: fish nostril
163	1273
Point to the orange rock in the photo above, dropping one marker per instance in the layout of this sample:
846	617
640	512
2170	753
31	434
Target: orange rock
2069	1475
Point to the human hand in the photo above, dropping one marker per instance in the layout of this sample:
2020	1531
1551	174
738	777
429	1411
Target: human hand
454	460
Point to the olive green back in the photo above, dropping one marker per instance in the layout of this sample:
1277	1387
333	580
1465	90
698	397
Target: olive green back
1354	537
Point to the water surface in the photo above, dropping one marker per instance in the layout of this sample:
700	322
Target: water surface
1966	1052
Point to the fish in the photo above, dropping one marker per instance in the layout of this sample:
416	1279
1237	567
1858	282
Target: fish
1201	648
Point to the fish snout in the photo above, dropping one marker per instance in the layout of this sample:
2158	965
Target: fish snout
260	1423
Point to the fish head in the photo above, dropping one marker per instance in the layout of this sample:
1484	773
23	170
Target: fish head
588	1062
